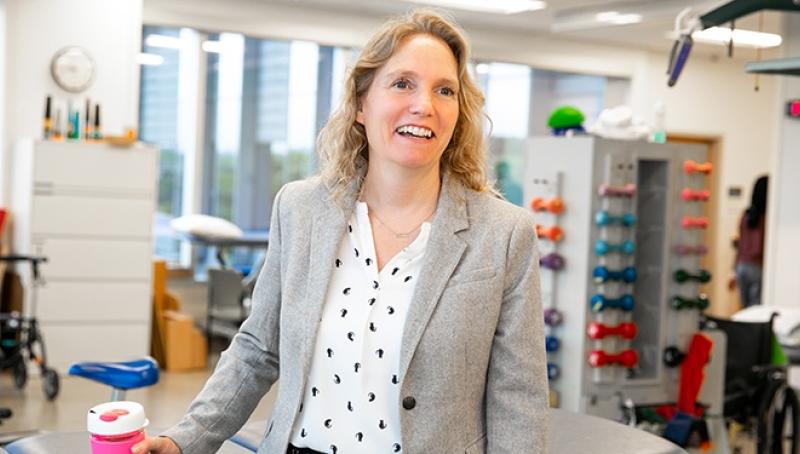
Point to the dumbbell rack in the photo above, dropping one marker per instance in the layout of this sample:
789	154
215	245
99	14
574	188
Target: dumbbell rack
582	165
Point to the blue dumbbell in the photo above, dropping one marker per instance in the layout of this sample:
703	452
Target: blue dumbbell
551	344
602	274
603	247
600	303
553	371
602	218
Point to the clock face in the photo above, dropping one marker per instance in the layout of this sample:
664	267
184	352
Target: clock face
72	69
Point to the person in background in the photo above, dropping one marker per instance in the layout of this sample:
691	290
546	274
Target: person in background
399	308
750	246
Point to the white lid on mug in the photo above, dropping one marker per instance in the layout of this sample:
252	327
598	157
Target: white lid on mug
116	418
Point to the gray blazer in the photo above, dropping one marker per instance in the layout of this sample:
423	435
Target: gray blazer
472	354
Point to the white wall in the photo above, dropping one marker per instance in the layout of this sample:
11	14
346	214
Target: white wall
714	96
35	29
783	255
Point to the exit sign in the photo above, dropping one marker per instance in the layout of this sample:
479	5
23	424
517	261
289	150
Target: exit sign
793	108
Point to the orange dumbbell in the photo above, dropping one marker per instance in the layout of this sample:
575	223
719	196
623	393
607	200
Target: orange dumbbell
552	233
554	205
691	167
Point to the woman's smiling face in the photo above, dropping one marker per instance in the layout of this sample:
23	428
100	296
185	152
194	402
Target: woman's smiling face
411	108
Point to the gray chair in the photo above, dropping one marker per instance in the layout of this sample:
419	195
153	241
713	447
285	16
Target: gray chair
227	292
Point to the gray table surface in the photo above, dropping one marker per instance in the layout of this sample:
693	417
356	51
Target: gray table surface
571	433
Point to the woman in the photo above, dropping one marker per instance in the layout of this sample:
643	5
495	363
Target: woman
750	246
399	306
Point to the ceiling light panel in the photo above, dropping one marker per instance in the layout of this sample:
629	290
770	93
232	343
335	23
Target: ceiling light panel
487	6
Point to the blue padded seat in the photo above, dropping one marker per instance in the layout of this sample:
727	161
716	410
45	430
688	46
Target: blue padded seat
122	375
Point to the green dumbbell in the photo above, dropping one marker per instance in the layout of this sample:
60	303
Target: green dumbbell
701	276
680	303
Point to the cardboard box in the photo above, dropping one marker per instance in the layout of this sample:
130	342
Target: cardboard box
185	347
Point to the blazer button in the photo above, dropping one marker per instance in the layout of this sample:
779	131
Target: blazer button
409	403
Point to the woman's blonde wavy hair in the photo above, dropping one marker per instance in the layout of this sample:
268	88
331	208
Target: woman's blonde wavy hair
342	142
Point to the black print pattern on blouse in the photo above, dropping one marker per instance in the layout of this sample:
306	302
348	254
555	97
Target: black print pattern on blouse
338	263
328	423
351	335
349	405
396	447
372	327
369	262
357	366
314	391
359	436
394	380
356	252
301	408
379	352
343	312
303	433
371	301
371	397
408	278
330	353
334	449
336	379
394	271
382	424
390	310
375	285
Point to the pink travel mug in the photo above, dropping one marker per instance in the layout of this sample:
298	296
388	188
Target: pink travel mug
115	427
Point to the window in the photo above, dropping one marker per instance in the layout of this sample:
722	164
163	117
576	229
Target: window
256	108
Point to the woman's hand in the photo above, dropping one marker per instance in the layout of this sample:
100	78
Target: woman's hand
157	445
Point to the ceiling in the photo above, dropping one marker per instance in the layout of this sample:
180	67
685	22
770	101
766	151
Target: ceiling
659	17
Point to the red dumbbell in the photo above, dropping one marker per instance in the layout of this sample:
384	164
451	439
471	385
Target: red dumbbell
691	167
700	195
694	223
554	205
606	190
626	358
552	233
597	330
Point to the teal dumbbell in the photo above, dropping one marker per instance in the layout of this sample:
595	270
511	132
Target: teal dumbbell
601	274
600	303
603	218
603	247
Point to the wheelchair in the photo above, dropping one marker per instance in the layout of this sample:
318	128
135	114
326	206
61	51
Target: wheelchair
757	393
21	339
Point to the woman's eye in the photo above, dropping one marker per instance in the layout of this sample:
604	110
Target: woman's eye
447	91
401	84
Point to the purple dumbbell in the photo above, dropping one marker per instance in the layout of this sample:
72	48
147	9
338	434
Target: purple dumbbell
606	190
599	303
551	344
601	274
553	317
552	261
553	371
685	249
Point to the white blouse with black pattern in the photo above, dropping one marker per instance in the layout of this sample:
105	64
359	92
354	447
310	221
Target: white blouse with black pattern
351	403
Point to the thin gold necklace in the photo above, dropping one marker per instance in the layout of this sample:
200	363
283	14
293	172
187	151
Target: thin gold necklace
398	235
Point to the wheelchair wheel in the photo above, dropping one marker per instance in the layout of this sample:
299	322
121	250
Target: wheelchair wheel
50	384
20	372
785	404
